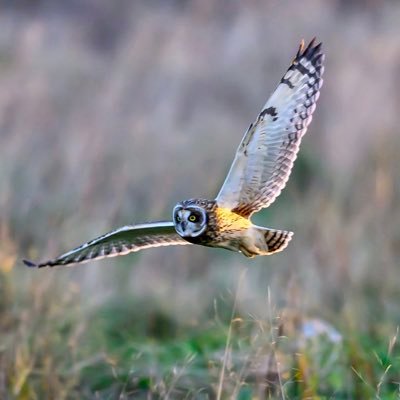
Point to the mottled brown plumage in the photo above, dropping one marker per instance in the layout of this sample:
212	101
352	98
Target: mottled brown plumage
258	174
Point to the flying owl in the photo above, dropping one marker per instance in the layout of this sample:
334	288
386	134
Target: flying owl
258	174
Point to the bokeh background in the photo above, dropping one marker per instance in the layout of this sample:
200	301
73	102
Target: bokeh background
110	113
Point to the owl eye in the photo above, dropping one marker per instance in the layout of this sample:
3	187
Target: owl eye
178	218
193	218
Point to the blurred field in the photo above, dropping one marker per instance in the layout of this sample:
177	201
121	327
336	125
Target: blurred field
110	113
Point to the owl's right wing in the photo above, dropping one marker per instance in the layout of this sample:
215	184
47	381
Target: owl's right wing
127	239
265	156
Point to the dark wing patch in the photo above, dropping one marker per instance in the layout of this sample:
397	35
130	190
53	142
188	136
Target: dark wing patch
269	111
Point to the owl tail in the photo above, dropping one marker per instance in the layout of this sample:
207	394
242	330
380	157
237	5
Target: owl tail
276	240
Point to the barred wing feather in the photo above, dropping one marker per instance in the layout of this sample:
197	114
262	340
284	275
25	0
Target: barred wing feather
119	242
265	156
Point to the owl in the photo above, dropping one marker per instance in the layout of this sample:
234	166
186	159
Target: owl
258	174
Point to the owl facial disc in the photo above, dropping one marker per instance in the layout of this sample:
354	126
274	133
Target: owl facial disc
190	221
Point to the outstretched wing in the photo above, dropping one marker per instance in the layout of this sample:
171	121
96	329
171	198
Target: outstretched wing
122	241
265	156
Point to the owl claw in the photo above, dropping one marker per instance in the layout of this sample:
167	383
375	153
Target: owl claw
246	252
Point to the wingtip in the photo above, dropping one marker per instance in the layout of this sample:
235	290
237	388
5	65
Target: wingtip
311	49
29	263
301	48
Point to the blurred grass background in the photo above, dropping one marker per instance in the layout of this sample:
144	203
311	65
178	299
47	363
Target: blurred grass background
110	113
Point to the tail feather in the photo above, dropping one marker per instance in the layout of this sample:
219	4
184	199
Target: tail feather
276	240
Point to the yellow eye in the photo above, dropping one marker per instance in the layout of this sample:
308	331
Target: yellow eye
178	218
192	218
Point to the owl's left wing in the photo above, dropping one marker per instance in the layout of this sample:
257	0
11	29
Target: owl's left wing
119	242
265	156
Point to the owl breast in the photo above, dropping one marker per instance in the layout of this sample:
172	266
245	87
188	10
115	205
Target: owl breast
224	229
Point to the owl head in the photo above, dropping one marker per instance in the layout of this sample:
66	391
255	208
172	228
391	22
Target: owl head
190	218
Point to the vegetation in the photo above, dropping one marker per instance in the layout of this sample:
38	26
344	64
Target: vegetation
111	114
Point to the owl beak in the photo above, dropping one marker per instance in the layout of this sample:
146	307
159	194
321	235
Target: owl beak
184	225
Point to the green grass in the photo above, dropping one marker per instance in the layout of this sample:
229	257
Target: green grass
128	348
